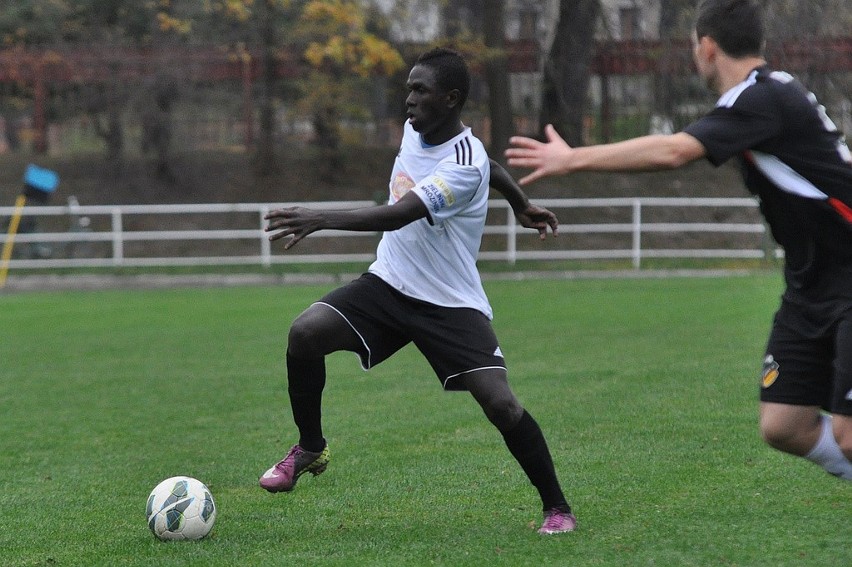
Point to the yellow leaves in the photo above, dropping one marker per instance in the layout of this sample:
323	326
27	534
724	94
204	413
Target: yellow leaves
236	10
335	51
337	13
315	54
362	55
167	23
338	40
380	55
241	10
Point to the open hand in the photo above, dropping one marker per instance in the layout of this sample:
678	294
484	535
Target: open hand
544	158
538	218
297	222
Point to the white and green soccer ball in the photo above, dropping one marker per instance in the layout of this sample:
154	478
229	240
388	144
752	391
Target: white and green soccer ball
180	507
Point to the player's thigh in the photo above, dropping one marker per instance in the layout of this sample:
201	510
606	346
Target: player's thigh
798	366
320	330
455	342
365	316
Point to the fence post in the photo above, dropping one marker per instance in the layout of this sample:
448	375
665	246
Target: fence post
117	238
511	237
265	245
637	233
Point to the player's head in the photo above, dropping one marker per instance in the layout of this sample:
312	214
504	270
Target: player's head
450	71
438	85
735	25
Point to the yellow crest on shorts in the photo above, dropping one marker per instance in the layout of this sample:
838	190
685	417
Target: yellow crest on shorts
770	371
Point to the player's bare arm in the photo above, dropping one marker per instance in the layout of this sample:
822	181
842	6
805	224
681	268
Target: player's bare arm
299	222
529	215
555	157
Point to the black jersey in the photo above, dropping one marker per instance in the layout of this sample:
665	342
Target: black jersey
797	163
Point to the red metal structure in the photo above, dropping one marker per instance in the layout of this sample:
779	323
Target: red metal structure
43	69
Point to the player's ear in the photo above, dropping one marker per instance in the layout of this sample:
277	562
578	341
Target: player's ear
709	47
453	98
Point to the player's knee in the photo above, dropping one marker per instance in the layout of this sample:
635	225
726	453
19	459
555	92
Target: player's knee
776	436
504	412
302	339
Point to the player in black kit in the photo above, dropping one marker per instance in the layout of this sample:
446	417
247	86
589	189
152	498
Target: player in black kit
796	162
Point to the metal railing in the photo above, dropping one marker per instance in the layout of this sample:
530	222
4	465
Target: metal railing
633	229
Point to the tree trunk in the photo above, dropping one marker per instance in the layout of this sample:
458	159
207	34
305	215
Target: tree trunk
665	89
497	77
566	69
111	131
266	142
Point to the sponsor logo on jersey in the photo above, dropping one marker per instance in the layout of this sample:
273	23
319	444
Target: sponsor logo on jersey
439	193
770	371
401	185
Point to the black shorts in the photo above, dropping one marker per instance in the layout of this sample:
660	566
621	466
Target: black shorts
808	358
454	340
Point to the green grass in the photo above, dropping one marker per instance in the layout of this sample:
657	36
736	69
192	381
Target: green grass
646	391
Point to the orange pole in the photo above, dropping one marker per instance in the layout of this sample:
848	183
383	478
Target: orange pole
10	238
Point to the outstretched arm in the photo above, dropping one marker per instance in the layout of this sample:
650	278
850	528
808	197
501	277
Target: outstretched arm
646	153
529	215
299	222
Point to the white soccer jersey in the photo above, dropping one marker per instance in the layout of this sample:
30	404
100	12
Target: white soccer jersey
434	259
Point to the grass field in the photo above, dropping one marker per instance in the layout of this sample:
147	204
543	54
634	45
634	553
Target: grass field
646	391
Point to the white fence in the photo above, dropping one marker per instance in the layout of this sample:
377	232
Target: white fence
631	229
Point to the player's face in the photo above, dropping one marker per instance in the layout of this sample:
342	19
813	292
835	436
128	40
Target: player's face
429	108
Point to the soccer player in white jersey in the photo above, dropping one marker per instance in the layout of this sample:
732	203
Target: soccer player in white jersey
424	286
796	162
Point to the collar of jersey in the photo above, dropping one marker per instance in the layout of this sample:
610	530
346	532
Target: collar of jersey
426	146
423	143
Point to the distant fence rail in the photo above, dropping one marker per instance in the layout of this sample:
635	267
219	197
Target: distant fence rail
634	229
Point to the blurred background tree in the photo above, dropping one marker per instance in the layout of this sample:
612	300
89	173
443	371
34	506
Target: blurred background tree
170	80
343	56
108	26
566	69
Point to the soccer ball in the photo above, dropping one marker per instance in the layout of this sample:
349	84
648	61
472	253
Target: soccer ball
180	507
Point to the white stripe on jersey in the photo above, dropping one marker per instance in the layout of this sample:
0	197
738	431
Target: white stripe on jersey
728	99
779	173
785	177
781	76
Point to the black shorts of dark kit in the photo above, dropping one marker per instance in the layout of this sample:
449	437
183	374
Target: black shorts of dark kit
811	353
454	340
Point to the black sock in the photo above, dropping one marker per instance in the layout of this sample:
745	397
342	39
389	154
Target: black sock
306	381
527	444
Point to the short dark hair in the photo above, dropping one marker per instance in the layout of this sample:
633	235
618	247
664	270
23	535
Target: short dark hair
736	25
451	70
